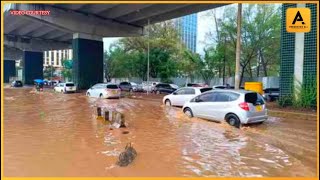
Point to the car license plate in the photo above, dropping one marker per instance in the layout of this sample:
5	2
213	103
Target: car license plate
258	108
114	92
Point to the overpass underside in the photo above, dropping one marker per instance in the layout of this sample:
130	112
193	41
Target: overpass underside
82	27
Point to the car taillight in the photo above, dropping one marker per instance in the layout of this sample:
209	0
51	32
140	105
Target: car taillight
244	106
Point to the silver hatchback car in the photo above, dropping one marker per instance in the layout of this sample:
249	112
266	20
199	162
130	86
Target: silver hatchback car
234	106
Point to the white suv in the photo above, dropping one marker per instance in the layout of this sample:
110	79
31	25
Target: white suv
65	87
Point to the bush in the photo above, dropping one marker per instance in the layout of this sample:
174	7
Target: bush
307	96
304	95
285	101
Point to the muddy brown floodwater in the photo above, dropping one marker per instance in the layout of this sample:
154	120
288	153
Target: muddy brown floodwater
53	134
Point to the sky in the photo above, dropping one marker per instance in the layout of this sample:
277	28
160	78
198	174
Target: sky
205	25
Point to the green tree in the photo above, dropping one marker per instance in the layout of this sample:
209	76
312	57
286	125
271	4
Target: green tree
67	69
260	39
128	56
49	72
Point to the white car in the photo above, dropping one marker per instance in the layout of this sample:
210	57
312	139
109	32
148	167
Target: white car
236	107
65	87
149	86
182	95
104	90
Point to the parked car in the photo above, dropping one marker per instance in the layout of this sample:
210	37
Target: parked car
53	83
163	88
225	87
16	83
182	95
195	85
136	87
271	94
125	86
174	86
236	107
104	90
149	86
65	87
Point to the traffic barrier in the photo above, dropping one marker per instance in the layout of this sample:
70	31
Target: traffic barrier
115	118
99	111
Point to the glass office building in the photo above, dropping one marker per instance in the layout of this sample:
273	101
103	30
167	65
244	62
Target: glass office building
188	26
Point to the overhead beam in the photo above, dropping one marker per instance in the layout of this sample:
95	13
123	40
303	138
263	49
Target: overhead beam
124	9
75	22
97	8
54	34
33	44
28	28
44	31
12	53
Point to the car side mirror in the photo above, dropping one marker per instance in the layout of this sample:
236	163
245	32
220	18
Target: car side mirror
174	93
197	100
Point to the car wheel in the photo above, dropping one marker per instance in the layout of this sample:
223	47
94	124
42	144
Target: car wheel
188	112
62	91
167	102
233	120
101	96
88	94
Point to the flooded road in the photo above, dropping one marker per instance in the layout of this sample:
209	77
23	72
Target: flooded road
53	134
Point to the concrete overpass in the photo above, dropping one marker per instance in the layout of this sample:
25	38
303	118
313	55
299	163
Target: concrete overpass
81	26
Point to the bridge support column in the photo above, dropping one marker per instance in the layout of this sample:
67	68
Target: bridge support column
87	60
9	70
32	66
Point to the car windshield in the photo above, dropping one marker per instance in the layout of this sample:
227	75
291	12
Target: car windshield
112	86
69	84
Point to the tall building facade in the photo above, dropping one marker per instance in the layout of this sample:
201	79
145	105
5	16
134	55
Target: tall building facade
188	27
298	54
54	58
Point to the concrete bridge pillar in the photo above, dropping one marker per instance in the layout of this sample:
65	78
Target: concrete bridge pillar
32	66
87	60
9	70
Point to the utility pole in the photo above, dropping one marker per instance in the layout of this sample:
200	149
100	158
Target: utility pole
224	61
148	57
238	51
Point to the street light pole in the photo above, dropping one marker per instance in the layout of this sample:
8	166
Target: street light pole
148	56
238	51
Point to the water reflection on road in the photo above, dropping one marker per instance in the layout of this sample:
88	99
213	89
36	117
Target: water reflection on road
52	134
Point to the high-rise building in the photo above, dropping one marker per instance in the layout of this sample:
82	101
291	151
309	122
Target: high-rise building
54	58
187	27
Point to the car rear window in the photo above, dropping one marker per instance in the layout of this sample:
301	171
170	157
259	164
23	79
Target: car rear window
69	84
112	86
205	89
254	98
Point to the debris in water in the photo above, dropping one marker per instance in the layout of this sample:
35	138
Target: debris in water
127	156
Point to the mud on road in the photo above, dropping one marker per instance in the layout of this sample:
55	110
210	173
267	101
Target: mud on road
53	134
